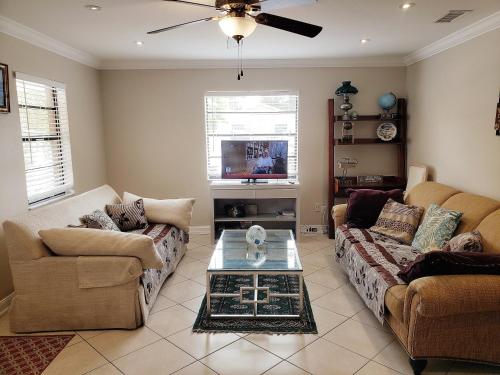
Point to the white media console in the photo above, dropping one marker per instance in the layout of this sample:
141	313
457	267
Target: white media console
270	198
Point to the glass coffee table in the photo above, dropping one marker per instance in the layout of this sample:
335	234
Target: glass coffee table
245	281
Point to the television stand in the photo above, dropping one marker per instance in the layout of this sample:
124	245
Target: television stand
271	198
254	181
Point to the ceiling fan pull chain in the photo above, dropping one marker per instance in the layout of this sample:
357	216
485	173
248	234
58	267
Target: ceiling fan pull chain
241	59
238	68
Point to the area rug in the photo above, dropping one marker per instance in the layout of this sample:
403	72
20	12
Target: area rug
29	355
277	305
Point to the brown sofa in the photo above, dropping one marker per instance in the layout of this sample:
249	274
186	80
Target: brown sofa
455	316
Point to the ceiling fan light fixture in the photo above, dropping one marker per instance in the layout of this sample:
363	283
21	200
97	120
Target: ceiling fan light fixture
237	27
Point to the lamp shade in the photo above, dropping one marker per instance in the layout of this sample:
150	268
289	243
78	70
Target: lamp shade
346	89
237	26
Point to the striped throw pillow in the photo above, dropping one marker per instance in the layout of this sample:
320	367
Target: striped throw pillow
398	221
128	216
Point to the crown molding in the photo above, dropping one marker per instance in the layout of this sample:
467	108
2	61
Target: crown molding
19	31
382	61
472	31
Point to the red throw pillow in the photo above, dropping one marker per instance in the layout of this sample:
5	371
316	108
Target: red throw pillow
364	205
447	263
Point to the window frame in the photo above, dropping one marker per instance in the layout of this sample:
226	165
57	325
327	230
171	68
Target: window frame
56	135
294	177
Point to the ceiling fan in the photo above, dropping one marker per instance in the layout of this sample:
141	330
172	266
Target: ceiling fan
239	18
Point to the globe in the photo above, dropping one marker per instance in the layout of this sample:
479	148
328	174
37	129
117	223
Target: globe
256	235
387	101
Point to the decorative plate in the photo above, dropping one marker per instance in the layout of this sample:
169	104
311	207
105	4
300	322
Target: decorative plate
387	131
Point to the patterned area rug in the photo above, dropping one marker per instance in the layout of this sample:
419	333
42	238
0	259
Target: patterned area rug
277	305
29	355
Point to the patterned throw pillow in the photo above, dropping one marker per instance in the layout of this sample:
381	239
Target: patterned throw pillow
436	229
99	220
128	216
465	242
398	221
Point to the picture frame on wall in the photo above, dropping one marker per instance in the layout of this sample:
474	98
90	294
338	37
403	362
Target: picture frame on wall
4	89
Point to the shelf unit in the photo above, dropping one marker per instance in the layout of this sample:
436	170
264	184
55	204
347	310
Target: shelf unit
338	190
271	199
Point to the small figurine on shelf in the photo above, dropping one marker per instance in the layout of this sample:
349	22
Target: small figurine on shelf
347	163
347	132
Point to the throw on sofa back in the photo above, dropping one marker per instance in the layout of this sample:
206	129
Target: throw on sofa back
21	233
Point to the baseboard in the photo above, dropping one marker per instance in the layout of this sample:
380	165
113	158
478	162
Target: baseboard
199	229
5	303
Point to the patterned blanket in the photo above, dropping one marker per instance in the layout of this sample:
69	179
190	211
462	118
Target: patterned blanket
169	241
372	262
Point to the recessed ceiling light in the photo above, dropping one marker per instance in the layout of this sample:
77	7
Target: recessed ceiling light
407	5
364	40
139	43
92	7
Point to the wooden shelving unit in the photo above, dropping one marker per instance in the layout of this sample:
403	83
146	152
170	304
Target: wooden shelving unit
389	182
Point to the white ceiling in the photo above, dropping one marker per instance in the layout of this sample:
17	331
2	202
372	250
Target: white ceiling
109	34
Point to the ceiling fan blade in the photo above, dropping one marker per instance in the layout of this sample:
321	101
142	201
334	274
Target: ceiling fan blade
181	24
287	24
191	3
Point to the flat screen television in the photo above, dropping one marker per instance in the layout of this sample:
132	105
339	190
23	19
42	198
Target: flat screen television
254	160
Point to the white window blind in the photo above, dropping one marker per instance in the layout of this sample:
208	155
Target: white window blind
250	116
45	135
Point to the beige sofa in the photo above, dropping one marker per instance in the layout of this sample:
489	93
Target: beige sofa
451	316
69	293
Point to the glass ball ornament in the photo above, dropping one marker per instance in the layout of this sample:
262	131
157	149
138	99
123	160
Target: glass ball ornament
256	235
387	101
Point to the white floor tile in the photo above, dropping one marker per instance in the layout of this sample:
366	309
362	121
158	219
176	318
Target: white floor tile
171	320
108	369
200	345
117	343
342	300
196	368
281	345
326	320
315	290
183	291
374	368
242	358
159	358
194	304
328	277
76	359
325	358
362	339
191	270
285	368
162	303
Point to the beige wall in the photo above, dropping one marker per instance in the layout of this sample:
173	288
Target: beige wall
155	126
85	121
452	102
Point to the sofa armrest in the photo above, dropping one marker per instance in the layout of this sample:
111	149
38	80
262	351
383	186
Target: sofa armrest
339	214
437	296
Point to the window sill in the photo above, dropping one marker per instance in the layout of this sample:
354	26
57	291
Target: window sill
34	206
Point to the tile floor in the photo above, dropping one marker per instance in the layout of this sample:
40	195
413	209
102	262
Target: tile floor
350	339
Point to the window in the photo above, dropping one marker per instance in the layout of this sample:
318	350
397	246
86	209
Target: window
250	116
45	134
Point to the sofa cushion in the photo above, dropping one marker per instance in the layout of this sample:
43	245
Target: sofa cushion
398	221
98	219
436	229
429	192
176	212
395	300
364	205
468	242
128	216
490	233
96	242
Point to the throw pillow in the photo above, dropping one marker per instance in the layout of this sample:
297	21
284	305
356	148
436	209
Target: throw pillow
436	229
128	216
175	212
98	220
93	242
465	242
447	263
398	221
364	205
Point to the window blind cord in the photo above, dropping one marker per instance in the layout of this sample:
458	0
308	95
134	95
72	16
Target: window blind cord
28	122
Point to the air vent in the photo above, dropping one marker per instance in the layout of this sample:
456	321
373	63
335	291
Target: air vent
452	15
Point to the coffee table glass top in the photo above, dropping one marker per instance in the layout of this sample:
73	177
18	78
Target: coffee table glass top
233	253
